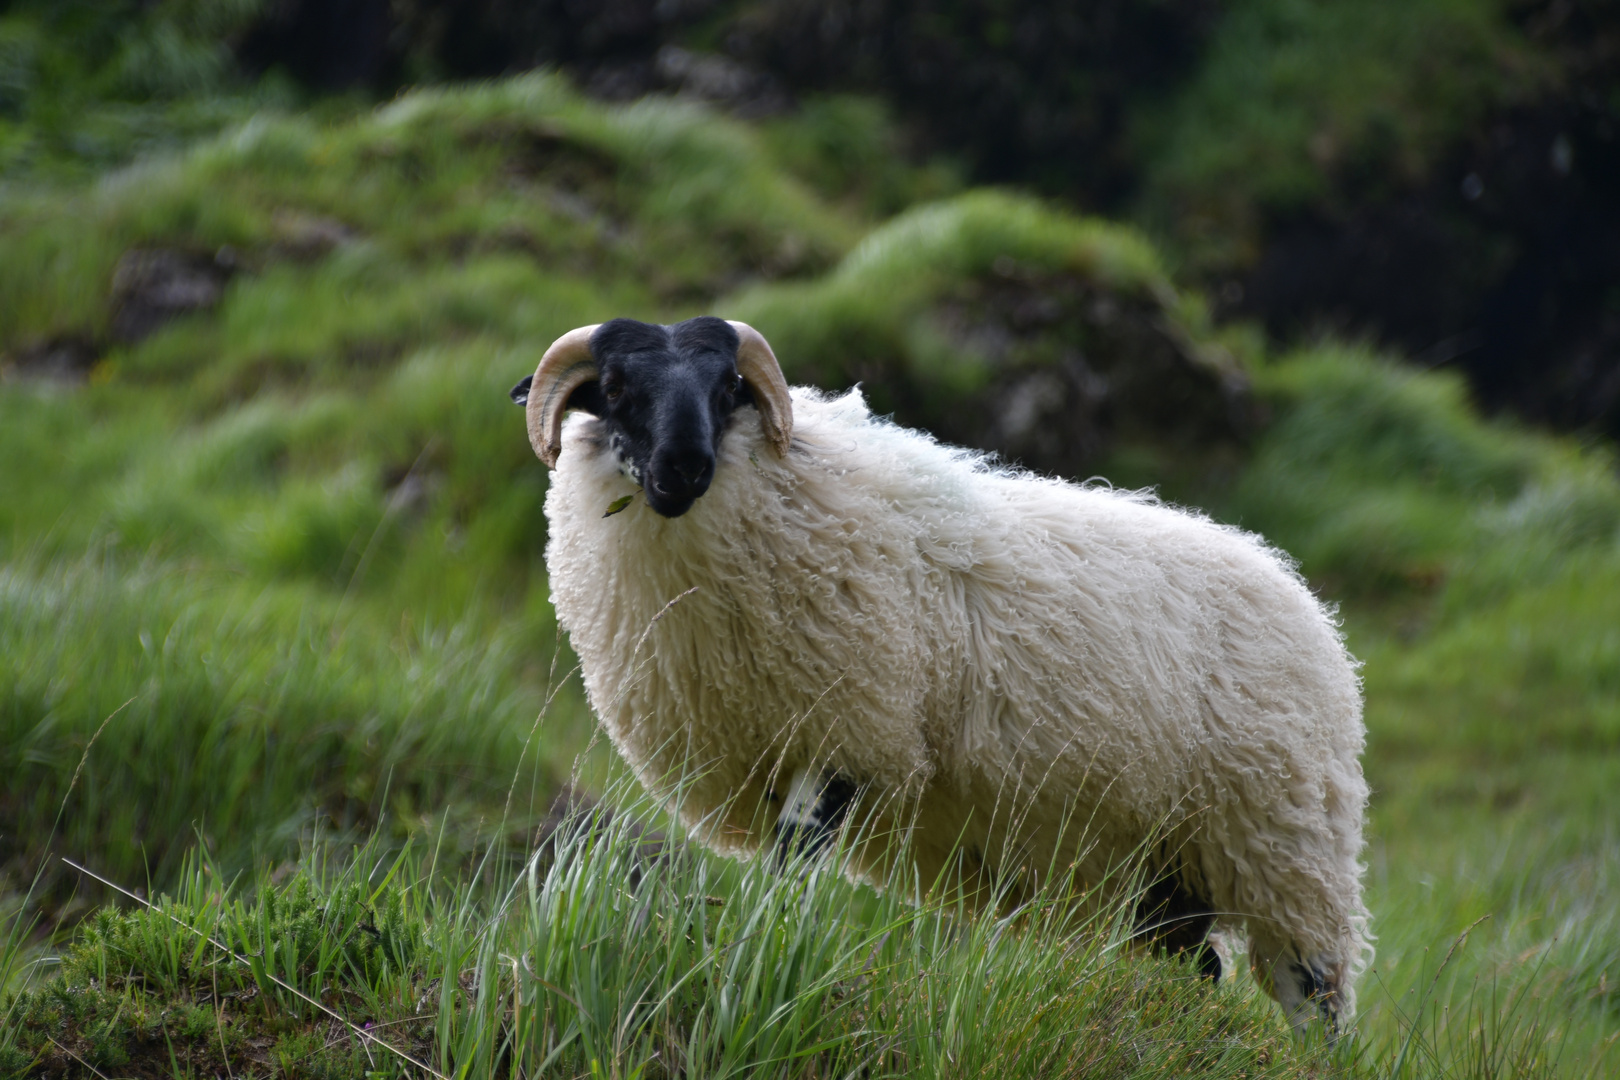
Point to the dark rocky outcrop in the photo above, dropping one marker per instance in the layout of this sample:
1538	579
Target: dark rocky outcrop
1080	370
65	360
1006	325
151	286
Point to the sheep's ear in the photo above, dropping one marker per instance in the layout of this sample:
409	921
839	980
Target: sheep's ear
520	392
757	365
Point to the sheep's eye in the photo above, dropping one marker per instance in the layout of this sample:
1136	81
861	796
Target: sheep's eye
736	384
613	391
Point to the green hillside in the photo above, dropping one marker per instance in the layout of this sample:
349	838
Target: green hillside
274	617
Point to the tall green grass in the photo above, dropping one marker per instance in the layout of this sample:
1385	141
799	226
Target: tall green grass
143	711
87	86
614	951
616	954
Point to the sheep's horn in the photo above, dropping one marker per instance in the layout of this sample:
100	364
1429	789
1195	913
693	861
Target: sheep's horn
566	365
758	367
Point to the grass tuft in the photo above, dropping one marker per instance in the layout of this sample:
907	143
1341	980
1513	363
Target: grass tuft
620	953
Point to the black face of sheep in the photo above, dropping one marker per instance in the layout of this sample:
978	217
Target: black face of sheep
665	395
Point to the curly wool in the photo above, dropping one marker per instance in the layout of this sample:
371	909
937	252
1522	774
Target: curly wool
1004	654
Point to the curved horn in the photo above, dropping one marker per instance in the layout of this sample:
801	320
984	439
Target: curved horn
758	367
566	365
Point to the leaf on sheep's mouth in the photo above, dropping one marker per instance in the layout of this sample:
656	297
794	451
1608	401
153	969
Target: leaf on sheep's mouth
619	504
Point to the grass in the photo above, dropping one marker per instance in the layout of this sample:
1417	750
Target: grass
996	320
867	311
345	721
273	615
612	951
1475	561
613	954
658	193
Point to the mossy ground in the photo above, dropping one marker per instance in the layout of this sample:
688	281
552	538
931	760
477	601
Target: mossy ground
272	583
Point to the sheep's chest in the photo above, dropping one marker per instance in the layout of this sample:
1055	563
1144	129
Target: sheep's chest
762	626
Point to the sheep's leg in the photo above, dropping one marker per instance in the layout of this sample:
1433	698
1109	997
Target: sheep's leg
1175	920
815	807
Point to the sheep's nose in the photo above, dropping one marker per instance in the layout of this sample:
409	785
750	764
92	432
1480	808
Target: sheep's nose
684	475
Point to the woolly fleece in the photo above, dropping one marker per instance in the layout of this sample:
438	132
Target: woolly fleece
1029	672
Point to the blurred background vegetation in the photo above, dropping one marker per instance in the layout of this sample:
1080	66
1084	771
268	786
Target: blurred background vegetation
1345	273
1441	176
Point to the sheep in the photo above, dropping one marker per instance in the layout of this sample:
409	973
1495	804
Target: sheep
818	596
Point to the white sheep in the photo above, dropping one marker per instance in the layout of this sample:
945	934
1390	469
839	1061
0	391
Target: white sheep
1021	672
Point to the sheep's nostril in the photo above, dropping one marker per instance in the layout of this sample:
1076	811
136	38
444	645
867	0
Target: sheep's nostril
681	476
